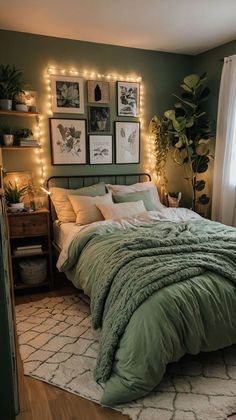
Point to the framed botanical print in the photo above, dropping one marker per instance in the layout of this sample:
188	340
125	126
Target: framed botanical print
67	94
98	91
128	99
127	142
68	141
100	149
99	119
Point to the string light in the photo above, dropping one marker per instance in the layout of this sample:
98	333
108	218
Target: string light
147	141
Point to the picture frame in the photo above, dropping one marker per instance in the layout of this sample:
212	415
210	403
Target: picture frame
127	142
100	149
67	94
99	119
98	91
128	99
68	141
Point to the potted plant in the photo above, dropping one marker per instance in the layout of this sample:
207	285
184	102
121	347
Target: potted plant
13	195
24	133
20	102
7	136
10	85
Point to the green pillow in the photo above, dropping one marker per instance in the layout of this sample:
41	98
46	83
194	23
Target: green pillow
144	195
92	190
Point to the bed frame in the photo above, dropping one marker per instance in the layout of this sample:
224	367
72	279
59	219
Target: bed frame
80	181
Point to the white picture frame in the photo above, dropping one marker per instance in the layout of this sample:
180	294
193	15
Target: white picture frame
67	94
100	149
68	141
128	99
127	142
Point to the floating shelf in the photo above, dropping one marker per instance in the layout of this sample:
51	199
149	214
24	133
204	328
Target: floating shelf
19	114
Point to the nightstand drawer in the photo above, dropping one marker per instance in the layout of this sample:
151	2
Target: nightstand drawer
28	225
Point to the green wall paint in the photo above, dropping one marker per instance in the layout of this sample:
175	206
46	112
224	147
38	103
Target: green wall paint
161	73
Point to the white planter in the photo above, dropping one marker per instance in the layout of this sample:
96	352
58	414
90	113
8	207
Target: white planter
6	104
15	207
8	139
21	107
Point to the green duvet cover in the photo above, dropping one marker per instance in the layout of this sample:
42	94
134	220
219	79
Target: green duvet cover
157	292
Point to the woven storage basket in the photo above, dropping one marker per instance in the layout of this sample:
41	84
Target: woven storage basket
33	270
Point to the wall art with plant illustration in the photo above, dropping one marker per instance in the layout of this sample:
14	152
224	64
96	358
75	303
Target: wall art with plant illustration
100	149
99	119
98	91
68	141
127	142
67	94
128	99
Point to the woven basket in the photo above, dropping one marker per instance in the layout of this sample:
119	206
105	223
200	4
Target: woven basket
33	270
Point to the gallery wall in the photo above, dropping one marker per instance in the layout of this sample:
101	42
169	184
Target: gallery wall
161	74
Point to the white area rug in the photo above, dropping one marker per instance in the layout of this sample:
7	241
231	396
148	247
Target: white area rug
58	346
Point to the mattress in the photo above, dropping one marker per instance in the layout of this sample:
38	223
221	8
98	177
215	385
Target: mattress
61	232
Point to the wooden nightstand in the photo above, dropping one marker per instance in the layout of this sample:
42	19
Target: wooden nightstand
30	237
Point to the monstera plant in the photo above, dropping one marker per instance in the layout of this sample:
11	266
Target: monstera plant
186	129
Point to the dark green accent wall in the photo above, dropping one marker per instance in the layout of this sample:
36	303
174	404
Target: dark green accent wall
212	62
161	73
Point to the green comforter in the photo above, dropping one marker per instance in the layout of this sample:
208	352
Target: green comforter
158	292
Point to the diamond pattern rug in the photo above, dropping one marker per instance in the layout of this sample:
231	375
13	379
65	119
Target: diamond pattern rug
58	346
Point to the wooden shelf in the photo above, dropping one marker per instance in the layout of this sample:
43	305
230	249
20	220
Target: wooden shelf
36	254
19	114
21	286
20	147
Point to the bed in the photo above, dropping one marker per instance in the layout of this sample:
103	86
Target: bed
162	283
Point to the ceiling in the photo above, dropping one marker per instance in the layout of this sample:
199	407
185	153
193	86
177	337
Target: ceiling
178	26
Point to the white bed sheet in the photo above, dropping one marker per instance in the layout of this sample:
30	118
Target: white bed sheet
61	232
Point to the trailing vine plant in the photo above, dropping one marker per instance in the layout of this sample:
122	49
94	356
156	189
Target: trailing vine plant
188	130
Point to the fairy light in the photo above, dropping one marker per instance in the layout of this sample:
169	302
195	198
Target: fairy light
147	141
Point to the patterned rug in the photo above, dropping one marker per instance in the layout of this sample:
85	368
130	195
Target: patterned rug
58	346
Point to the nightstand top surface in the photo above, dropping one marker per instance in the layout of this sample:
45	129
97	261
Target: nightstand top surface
28	213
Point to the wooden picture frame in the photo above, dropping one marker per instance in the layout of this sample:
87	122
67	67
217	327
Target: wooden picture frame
67	94
68	141
98	91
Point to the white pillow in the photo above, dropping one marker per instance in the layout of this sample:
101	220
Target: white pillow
85	207
63	207
140	186
114	211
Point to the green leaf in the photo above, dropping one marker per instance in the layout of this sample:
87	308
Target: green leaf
204	141
192	81
200	185
170	114
179	124
189	122
186	88
192	105
179	144
204	199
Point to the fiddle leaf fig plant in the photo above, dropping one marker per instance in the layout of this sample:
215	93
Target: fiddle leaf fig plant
189	134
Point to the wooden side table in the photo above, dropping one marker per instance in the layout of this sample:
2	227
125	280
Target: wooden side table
29	234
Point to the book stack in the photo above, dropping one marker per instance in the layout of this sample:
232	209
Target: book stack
21	251
29	142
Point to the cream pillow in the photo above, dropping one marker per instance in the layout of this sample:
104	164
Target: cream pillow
61	202
114	211
140	186
85	207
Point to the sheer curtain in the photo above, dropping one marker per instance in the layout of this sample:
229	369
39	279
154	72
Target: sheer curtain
224	182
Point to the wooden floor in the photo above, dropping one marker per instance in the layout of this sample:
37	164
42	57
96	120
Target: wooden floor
41	401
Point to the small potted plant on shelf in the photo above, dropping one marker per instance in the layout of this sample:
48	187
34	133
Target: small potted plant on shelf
13	195
20	102
7	135
10	85
24	133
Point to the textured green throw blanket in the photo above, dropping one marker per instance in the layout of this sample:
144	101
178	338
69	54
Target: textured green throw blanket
139	263
121	270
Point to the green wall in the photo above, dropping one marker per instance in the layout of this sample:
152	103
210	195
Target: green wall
161	73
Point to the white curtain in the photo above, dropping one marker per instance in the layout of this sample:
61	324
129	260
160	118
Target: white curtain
224	182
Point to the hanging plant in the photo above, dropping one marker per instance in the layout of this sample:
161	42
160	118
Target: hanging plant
159	132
